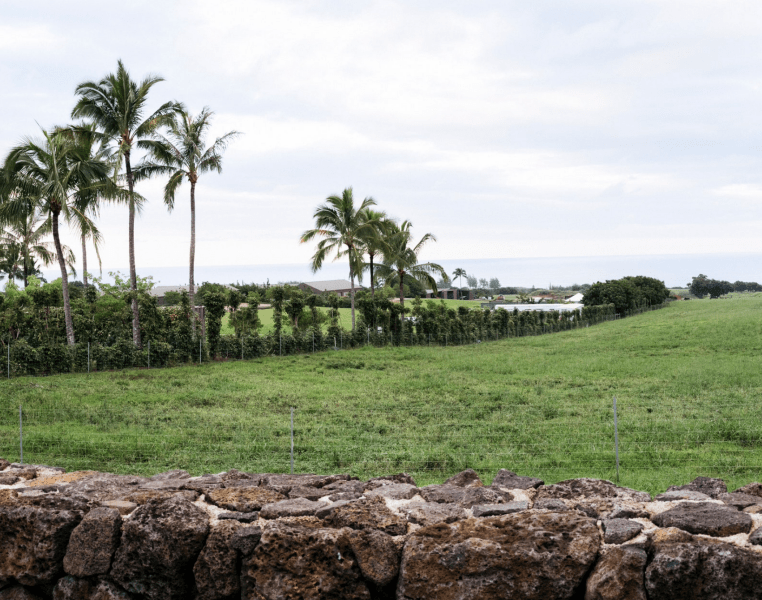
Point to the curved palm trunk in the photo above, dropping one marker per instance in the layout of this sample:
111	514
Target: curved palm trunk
191	282
64	282
352	295
84	260
402	299
133	272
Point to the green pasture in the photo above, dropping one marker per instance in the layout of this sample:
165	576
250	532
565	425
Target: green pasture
687	379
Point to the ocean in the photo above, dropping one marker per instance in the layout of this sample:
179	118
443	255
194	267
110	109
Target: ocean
675	270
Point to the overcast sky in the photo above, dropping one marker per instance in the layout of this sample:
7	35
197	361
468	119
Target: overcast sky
508	128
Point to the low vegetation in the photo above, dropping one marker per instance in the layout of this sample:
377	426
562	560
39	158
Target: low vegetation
686	378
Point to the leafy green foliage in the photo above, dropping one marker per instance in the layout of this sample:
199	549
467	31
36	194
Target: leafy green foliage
215	309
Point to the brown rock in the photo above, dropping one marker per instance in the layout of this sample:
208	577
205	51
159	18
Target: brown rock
338	496
306	491
754	509
234	475
71	588
308	479
123	506
93	542
739	499
8	479
246	539
756	537
297	507
160	543
618	531
396	491
293	563
35	532
467	478
369	513
215	568
141	496
491	510
465	497
702	568
204	484
171	475
103	486
248	517
377	554
397	478
618	575
706	485
430	513
4	464
553	504
755	489
573	489
345	486
17	592
510	481
672	495
245	499
705	517
530	556
628	512
327	509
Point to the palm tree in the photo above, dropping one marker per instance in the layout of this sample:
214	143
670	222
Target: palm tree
116	105
51	172
341	226
182	154
26	240
373	242
459	273
401	260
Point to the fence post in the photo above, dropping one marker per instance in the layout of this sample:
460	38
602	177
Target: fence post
21	439
292	440
616	442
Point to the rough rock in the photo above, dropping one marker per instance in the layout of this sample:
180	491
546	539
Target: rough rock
574	489
530	556
554	504
246	499
348	486
175	474
739	499
35	532
396	478
618	531
510	481
326	509
177	529
395	491
618	575
17	592
306	491
123	506
705	517
706	485
756	537
141	496
755	489
4	464
93	542
429	513
165	485
368	513
464	496
673	495
215	569
628	512
203	484
104	486
491	510
467	478
377	554
754	509
339	496
27	473
297	562
317	481
234	475
248	517
71	588
8	479
298	507
702	568
246	539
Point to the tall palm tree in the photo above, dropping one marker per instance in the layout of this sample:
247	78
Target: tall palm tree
116	105
373	241
459	273
182	154
51	172
342	227
401	260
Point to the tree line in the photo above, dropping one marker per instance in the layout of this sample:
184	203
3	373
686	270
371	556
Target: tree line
702	286
68	172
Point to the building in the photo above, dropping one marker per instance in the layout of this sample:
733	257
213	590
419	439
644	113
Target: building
342	287
451	294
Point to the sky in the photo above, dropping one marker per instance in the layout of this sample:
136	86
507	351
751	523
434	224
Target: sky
509	129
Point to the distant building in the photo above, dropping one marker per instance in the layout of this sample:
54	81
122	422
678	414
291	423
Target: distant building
451	294
575	298
342	287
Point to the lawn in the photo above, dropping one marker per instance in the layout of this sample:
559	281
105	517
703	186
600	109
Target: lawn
687	381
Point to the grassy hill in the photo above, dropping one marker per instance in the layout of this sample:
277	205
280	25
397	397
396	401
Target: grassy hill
687	380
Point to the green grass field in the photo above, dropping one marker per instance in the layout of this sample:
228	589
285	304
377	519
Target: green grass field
687	380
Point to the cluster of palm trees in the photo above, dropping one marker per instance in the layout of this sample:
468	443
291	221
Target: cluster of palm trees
69	171
354	232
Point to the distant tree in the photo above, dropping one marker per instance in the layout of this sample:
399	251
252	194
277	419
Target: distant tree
622	293
494	283
172	298
653	290
702	286
472	281
483	284
460	274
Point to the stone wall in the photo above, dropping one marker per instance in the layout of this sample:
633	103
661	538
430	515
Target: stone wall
98	536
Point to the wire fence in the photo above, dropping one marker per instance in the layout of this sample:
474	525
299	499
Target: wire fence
659	442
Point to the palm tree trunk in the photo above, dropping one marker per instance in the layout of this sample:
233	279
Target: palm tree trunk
352	294
192	255
84	260
133	272
402	300
64	282
372	287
